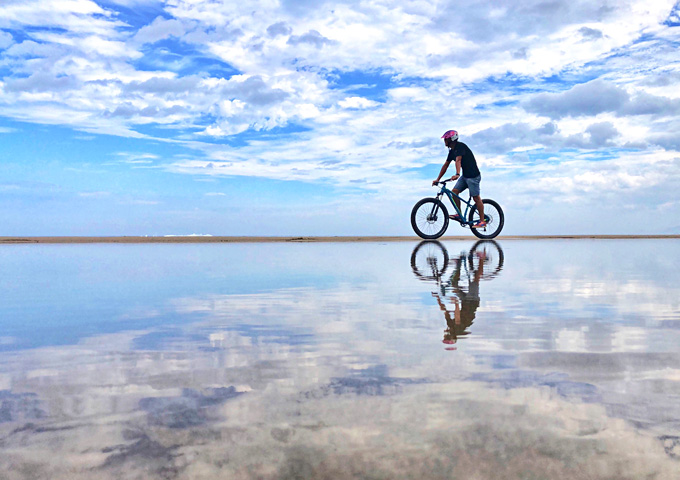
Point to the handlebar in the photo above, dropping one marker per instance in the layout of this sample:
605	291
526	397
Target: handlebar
443	182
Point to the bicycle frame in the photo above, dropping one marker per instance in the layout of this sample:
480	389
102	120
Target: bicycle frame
450	195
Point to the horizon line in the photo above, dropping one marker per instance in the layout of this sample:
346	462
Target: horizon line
9	240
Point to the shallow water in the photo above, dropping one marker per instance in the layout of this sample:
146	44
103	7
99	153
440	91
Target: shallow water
515	359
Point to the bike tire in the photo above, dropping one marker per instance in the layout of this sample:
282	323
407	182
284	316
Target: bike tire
494	254
429	260
494	216
429	218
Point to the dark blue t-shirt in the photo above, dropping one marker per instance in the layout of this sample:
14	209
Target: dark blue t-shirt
468	161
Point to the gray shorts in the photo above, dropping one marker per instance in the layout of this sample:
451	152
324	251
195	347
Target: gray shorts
471	183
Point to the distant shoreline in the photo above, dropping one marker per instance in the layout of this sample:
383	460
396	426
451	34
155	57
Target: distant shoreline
311	239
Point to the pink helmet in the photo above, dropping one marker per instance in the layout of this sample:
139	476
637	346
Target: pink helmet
452	134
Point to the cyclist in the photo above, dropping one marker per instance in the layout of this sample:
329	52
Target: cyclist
464	160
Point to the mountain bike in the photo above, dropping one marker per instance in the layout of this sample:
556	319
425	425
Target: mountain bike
430	218
430	260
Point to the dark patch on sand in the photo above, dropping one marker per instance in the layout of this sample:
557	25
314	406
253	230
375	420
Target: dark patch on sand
671	445
188	410
373	381
19	406
157	459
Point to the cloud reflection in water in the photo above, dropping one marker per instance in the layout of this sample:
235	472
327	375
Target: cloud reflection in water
556	372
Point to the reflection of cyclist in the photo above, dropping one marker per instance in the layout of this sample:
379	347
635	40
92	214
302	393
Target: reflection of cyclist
466	301
454	326
430	261
465	160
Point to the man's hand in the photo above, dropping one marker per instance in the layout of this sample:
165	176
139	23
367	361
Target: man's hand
435	182
455	176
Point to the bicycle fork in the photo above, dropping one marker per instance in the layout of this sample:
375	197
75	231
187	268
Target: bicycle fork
432	217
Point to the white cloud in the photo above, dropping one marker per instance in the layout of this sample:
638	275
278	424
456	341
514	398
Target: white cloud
599	96
94	194
137	158
75	16
6	40
159	29
357	102
385	78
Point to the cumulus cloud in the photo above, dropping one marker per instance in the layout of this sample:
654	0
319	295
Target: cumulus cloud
75	16
396	72
590	33
532	17
6	39
357	102
279	28
511	137
254	90
312	37
585	99
41	82
30	49
507	137
159	29
602	133
600	96
646	104
668	141
146	113
662	79
163	85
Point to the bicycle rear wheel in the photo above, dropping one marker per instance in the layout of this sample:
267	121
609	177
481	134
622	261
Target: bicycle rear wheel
429	218
493	214
490	254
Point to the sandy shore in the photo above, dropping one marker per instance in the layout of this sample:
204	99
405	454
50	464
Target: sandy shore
221	239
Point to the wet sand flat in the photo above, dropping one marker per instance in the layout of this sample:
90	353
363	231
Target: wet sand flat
320	239
365	359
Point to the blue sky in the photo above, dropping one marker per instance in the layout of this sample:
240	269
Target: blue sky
141	117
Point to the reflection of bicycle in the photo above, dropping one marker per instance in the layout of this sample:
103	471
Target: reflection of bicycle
430	218
430	260
490	253
457	278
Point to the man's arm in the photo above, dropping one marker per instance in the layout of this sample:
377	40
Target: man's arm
445	167
442	172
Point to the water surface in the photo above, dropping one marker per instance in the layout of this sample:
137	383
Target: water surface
516	359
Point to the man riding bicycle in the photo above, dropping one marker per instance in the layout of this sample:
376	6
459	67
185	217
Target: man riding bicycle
465	161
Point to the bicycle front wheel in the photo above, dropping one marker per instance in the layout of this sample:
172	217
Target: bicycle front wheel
493	214
429	260
429	218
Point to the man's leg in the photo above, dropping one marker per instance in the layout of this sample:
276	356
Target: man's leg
460	186
480	206
455	199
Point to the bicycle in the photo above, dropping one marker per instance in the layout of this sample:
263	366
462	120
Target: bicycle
430	260
430	218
